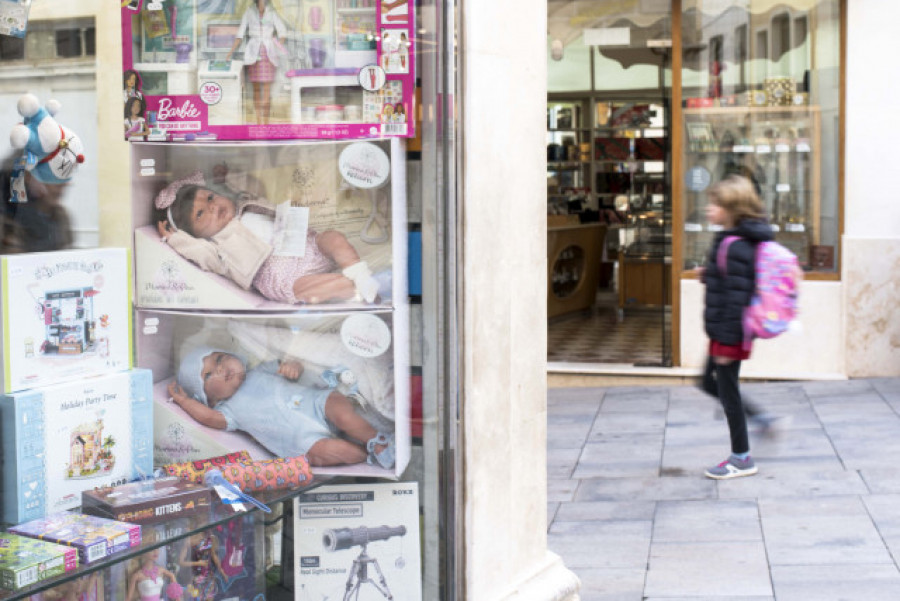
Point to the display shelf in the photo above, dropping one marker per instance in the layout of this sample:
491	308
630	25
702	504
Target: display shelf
778	148
219	513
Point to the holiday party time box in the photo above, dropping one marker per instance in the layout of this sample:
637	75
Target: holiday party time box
94	538
221	70
66	315
363	356
346	534
283	226
60	440
147	501
25	561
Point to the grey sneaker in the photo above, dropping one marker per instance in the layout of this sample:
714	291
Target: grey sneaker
732	468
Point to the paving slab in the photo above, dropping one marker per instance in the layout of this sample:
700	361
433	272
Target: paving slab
645	489
585	511
601	544
618	456
838	582
706	521
635	404
707	569
620	422
796	479
612	584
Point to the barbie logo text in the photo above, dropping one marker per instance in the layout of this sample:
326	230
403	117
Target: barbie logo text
185	111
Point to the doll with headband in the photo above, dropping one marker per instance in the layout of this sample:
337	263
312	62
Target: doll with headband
217	389
233	237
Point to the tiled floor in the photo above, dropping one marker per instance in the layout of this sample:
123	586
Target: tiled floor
631	514
600	337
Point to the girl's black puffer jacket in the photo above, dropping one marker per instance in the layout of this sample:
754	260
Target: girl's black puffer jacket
727	294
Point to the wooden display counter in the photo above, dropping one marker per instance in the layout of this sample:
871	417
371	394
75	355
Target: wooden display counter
574	253
644	281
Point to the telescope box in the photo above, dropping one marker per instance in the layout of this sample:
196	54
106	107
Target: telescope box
94	538
363	356
66	315
147	502
305	203
57	441
342	522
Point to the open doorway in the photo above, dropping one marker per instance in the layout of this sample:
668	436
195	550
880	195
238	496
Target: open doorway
609	183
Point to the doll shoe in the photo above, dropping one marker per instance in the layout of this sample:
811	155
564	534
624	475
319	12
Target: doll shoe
361	276
385	458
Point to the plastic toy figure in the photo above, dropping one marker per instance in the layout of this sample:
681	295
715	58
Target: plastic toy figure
200	554
263	54
146	584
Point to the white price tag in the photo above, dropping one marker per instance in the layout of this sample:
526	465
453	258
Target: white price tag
742	148
715	228
775	227
782	187
803	147
763	149
782	148
693	227
794	227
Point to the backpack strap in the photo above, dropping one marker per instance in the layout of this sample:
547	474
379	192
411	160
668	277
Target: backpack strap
722	254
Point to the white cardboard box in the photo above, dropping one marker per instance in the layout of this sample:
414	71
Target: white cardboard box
358	540
60	440
66	315
373	345
356	188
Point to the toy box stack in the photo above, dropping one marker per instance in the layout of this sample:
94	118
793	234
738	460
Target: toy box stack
74	414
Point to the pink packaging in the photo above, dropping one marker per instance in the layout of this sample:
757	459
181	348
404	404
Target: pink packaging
194	70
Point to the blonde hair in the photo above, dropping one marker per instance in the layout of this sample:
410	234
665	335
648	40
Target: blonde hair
738	197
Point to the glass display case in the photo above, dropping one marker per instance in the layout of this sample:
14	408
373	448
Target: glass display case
777	147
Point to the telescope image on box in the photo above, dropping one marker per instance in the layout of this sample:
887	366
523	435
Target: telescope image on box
338	539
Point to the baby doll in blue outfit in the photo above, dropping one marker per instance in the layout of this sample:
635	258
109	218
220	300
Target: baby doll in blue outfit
215	388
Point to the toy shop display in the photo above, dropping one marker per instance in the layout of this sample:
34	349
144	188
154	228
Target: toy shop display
268	69
61	440
92	537
66	315
261	383
269	227
51	150
25	561
148	501
359	541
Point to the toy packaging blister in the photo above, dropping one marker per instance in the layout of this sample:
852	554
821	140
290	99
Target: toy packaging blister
58	441
346	534
289	367
221	70
94	538
297	225
66	315
147	501
25	561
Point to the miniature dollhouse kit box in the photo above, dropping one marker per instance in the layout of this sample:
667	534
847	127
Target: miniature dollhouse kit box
66	315
60	440
362	357
25	561
147	501
224	70
291	218
92	537
358	540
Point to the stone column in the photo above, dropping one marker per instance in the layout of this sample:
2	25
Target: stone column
504	290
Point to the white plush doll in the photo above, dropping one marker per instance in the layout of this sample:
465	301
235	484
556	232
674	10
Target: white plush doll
52	151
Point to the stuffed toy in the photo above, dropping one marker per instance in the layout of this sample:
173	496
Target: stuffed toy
52	151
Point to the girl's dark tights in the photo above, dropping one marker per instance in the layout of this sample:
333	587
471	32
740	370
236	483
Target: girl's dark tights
722	382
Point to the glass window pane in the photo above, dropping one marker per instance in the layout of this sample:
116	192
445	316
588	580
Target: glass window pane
11	48
68	43
769	112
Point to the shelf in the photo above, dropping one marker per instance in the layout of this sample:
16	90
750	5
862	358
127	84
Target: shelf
567	165
219	513
365	10
731	110
555	130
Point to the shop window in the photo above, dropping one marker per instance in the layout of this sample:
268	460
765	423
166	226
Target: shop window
769	116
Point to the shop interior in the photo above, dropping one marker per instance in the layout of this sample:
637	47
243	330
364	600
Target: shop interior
609	202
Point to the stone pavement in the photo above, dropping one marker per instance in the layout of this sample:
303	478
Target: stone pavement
631	513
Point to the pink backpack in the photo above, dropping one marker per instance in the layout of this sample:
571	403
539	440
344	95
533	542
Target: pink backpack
774	302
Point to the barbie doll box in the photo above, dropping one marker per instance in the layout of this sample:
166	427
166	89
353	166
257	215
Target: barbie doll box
60	440
94	538
268	69
283	225
272	379
350	531
147	501
25	561
66	315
